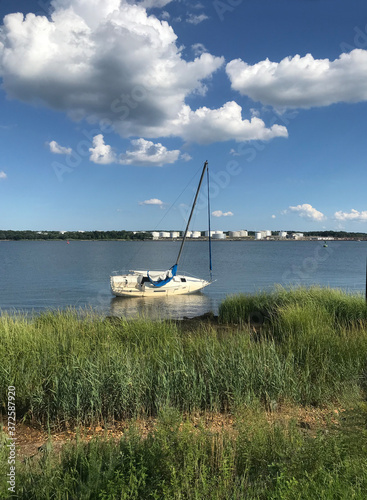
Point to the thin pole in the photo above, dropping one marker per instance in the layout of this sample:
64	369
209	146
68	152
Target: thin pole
192	211
366	282
210	237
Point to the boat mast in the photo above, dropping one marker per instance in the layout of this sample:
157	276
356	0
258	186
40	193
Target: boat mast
210	232
192	211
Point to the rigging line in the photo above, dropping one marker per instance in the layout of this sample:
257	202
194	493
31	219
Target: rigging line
210	236
191	213
165	215
178	197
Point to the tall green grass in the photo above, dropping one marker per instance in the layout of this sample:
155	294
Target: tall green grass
71	370
344	309
258	460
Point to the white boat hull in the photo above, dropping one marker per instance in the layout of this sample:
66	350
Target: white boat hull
137	284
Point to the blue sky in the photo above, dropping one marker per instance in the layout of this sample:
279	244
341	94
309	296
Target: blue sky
109	109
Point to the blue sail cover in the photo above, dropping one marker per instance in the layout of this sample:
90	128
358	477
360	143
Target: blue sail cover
169	276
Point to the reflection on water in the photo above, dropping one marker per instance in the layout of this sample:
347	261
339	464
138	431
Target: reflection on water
175	307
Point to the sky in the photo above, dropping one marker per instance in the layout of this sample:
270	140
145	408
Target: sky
109	109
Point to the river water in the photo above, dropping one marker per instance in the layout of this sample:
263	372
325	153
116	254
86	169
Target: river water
40	275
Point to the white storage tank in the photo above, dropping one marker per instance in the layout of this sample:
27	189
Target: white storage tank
164	234
175	234
258	235
219	235
207	233
243	233
282	234
268	233
196	234
155	235
234	234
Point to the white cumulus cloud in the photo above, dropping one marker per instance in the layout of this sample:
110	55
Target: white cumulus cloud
307	210
152	201
205	125
59	150
352	215
110	61
101	153
142	153
219	213
302	82
3	175
147	153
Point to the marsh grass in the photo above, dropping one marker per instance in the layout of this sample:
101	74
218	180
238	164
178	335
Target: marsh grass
71	369
258	460
344	309
307	347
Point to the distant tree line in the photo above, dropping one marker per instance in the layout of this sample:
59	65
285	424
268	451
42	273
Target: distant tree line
322	234
74	235
336	234
130	235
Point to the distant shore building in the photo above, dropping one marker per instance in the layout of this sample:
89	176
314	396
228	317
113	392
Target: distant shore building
259	235
219	235
234	234
297	236
283	234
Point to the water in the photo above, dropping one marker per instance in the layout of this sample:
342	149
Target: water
36	275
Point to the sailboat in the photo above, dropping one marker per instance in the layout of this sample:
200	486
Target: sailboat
163	283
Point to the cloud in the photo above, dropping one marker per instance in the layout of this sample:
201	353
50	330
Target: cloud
308	211
152	201
147	153
59	150
352	215
196	19
302	82
148	4
198	49
101	153
3	175
143	153
219	213
108	60
205	125
165	15
186	157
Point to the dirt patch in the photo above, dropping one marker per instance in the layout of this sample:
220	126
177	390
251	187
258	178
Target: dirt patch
33	441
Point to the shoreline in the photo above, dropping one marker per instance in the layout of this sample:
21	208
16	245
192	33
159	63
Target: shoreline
204	239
